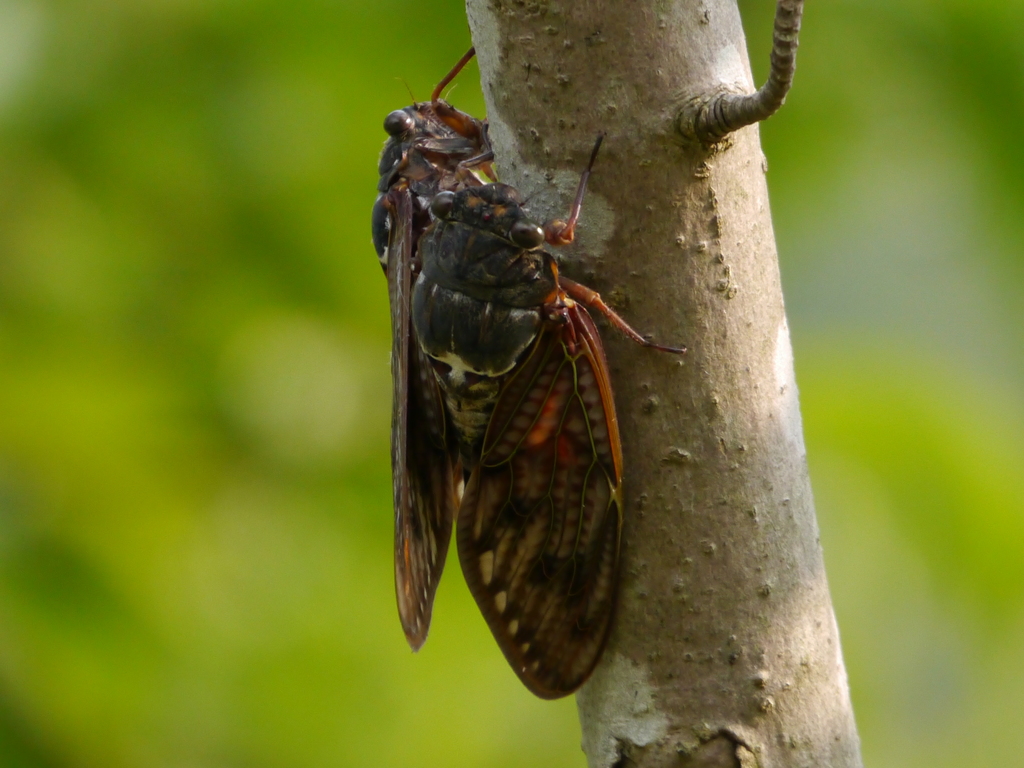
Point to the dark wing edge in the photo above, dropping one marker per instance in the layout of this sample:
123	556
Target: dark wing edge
424	471
539	528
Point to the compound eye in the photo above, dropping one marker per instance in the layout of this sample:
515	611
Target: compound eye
526	235
441	205
399	123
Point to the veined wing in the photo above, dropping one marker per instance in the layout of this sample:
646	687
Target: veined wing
424	469
538	530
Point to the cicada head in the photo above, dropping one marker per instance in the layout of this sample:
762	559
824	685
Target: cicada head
492	208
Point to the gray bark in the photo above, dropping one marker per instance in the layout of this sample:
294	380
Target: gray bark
725	651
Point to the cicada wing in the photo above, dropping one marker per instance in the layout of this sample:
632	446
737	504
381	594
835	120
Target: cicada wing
424	468
538	530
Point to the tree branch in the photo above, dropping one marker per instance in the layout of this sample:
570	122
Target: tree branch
711	118
724	650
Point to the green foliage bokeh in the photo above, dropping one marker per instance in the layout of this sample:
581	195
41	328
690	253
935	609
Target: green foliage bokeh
195	523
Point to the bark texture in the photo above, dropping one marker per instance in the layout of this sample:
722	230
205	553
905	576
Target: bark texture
725	650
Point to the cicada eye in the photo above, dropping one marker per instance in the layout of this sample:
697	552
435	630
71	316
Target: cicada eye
442	204
526	235
399	122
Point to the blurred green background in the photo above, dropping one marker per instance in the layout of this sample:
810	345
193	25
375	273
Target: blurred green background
195	524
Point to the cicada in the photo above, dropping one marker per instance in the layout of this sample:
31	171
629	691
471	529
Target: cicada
502	384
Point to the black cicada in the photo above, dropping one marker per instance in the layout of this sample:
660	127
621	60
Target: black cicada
501	382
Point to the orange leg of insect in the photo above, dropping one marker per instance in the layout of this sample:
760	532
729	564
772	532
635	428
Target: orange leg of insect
456	120
436	95
558	232
592	299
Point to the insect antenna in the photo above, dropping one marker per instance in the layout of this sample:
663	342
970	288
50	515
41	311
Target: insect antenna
408	88
436	95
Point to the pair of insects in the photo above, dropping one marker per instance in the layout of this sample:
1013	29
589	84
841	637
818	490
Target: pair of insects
503	422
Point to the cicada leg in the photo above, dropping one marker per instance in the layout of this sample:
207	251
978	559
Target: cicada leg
559	232
592	299
466	58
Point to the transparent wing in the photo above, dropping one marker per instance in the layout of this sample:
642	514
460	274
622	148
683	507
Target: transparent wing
538	530
424	469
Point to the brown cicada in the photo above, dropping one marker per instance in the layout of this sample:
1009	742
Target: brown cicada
501	383
529	413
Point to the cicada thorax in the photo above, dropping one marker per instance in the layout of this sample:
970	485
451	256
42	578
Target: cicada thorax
480	299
